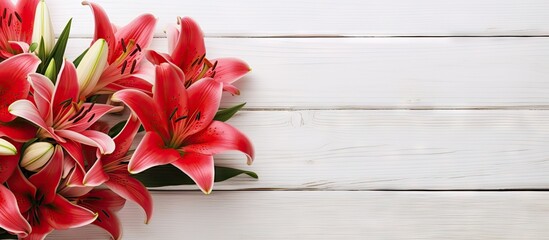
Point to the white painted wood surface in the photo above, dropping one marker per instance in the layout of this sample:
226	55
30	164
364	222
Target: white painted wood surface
337	215
328	17
332	108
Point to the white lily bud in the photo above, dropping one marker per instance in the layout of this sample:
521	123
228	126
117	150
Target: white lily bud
43	28
37	155
91	67
6	148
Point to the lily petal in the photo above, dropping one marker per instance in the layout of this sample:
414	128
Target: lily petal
39	232
90	138
169	90
7	166
74	149
94	114
145	109
43	93
130	188
189	47
219	137
151	152
96	175
13	81
106	203
10	218
47	179
204	99
200	168
103	27
172	33
61	214
66	88
141	30
21	189
123	140
157	58
228	70
25	109
26	10
18	130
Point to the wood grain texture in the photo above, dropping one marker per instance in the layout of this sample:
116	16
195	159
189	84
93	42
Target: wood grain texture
365	150
385	73
336	215
326	17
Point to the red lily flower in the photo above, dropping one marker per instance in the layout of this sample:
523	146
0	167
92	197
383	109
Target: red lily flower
126	45
10	217
39	203
13	82
61	115
16	25
106	203
187	51
112	170
180	127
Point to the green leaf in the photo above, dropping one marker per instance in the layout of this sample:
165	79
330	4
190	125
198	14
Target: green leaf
226	114
33	47
116	129
168	175
58	51
79	58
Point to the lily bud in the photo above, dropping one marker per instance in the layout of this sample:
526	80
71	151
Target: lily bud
6	148
91	67
37	155
51	72
43	28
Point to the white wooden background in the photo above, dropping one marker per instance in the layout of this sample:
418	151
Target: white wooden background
372	119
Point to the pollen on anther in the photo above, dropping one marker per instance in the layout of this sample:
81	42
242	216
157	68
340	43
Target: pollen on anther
133	66
124	65
18	17
123	45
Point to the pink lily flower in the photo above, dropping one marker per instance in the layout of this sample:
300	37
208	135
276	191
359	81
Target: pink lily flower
106	203
39	203
16	26
180	127
126	46
13	81
61	115
112	170
188	51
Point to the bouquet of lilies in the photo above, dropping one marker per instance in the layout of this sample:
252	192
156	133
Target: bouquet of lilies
62	165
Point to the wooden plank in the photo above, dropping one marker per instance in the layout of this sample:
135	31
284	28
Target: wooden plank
337	215
393	149
325	17
385	73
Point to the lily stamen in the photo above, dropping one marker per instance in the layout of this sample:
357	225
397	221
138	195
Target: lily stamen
123	45
173	113
180	118
133	66
134	52
124	66
77	114
18	17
